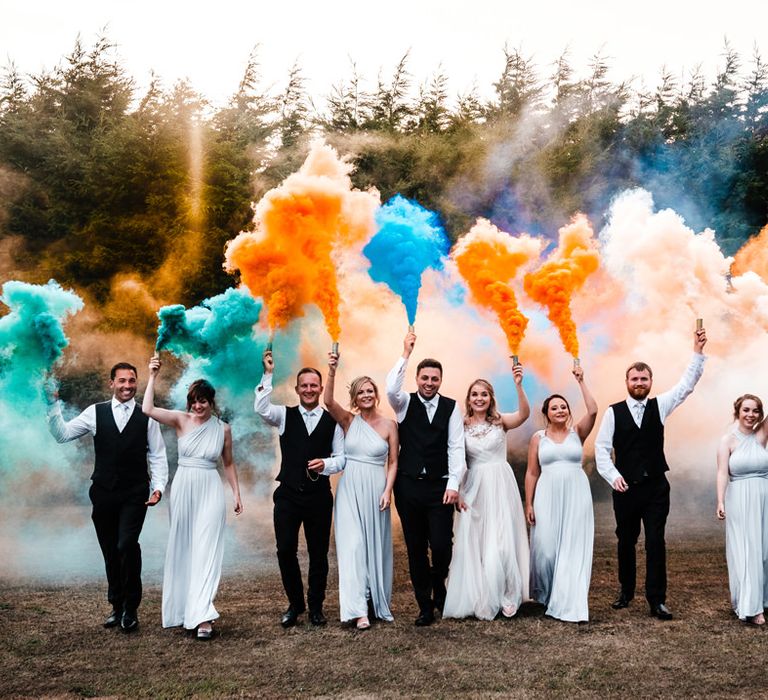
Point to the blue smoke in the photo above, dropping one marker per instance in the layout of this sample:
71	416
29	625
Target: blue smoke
409	240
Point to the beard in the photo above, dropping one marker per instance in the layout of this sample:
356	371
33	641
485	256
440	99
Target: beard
639	392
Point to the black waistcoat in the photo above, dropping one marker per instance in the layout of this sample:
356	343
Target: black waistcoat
424	445
639	452
121	458
297	448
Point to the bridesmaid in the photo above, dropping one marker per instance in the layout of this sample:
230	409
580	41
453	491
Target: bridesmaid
558	507
362	521
742	492
196	538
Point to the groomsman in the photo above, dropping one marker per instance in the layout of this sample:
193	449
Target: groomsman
430	468
130	474
312	448
634	430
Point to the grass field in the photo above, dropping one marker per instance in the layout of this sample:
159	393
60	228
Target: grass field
52	644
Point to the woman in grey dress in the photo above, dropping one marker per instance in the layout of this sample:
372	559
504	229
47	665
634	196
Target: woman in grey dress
742	493
558	507
362	523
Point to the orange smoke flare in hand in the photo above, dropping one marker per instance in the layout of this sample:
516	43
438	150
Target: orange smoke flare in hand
488	259
288	259
753	255
566	270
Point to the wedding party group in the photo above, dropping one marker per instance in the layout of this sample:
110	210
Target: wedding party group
475	548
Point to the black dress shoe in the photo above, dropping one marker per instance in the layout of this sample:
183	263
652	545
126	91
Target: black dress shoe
289	618
661	611
317	618
129	621
622	601
114	619
425	619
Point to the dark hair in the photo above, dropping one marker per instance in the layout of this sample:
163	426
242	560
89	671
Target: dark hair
122	365
492	415
429	362
737	405
308	370
639	367
548	400
201	389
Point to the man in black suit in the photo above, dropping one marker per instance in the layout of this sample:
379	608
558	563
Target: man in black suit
130	473
312	448
430	468
634	430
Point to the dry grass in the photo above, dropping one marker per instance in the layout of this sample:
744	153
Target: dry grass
51	643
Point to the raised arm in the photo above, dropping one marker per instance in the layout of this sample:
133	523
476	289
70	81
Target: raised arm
262	404
230	471
337	411
585	425
723	457
670	400
513	420
532	474
398	398
394	447
175	419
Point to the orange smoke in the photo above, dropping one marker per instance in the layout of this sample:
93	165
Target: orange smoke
753	255
288	259
566	270
488	259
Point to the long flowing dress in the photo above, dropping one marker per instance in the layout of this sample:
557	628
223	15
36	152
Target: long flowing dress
196	537
746	526
489	568
563	536
363	532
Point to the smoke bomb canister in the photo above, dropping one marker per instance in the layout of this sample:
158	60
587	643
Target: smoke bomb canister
269	346
699	324
515	360
411	328
576	362
335	348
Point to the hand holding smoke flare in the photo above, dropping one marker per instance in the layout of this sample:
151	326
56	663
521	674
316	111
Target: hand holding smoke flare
488	260
409	240
288	259
555	282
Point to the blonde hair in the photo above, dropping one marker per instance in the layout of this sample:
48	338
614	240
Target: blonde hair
492	415
354	389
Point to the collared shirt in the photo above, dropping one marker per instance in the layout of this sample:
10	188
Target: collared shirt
85	424
400	400
274	415
668	402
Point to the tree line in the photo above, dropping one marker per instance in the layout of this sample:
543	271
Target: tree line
97	180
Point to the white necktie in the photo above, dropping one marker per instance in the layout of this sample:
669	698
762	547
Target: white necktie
430	410
308	421
639	410
123	413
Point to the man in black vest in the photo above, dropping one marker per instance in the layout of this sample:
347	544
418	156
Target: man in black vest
312	448
634	430
430	468
125	441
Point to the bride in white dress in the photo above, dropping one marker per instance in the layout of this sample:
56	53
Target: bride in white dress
489	568
558	507
196	537
742	493
362	523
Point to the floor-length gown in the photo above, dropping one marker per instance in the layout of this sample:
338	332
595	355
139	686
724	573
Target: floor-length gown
196	537
746	526
489	568
563	536
363	532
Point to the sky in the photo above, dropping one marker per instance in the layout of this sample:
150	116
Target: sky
209	44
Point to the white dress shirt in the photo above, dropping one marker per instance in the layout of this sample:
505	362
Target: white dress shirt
85	424
668	402
274	415
400	400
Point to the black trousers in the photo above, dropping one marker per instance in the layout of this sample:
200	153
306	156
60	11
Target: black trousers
314	511
118	516
646	502
427	525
